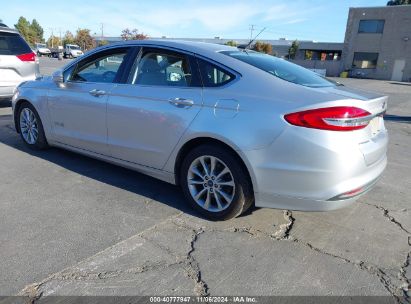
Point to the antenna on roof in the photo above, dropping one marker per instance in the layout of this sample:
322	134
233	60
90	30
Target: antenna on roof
252	40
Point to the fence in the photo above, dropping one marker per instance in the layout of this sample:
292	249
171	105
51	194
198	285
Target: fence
333	67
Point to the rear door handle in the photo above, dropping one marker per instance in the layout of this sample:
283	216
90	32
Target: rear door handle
181	102
97	93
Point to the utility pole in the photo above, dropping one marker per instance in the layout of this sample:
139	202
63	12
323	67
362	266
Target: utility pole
251	31
52	37
102	31
60	36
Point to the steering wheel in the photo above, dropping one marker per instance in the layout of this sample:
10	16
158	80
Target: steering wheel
109	76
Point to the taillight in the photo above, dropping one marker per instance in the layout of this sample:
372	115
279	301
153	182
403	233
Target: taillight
27	57
332	118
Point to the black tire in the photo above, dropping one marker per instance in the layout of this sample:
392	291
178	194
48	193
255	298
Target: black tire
243	195
41	142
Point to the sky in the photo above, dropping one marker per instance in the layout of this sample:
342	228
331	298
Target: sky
317	20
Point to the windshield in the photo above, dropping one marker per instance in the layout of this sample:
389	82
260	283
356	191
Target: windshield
41	45
281	68
74	47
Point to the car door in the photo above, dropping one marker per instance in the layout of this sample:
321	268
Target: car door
147	116
78	107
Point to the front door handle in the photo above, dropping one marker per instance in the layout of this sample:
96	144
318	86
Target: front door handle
181	102
97	93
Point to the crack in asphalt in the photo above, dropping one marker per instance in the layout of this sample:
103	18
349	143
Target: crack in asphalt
404	277
109	274
284	232
193	270
32	291
386	213
362	265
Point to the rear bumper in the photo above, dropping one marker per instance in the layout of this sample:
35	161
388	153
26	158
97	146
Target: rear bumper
7	92
271	200
307	170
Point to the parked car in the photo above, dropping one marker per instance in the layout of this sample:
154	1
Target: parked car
41	49
18	63
231	127
57	51
72	51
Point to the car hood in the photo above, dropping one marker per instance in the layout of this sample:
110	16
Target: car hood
43	49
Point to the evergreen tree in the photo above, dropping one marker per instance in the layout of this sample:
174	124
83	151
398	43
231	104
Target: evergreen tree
24	27
398	2
37	30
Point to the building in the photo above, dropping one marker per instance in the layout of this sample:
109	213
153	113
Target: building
280	46
322	57
377	45
378	42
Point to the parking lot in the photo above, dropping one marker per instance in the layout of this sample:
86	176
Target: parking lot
72	225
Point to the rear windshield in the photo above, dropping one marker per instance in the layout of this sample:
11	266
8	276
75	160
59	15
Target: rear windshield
13	44
281	68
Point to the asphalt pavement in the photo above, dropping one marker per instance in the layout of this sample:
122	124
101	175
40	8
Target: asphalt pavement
72	225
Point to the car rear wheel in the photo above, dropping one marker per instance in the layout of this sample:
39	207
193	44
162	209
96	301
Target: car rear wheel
215	183
31	128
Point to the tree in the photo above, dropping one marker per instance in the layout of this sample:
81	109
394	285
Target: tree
231	43
292	51
37	30
84	39
103	42
68	38
398	2
53	41
128	34
263	47
24	27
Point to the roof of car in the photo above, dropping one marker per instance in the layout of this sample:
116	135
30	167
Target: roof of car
191	46
8	30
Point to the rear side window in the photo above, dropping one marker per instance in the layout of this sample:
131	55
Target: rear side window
281	68
212	75
13	44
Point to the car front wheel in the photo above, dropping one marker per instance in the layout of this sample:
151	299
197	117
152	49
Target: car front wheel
215	182
31	128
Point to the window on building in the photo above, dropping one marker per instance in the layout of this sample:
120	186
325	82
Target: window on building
322	55
364	60
371	26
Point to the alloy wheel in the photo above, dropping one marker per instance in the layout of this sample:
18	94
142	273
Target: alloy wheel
211	183
29	126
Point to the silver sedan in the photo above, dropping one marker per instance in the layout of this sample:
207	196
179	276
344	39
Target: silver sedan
232	127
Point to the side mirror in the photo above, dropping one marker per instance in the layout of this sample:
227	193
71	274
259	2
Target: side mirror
58	77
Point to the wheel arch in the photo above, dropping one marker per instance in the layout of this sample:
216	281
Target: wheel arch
16	112
195	142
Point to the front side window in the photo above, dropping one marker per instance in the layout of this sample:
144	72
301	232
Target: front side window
163	69
371	26
364	60
103	69
281	68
